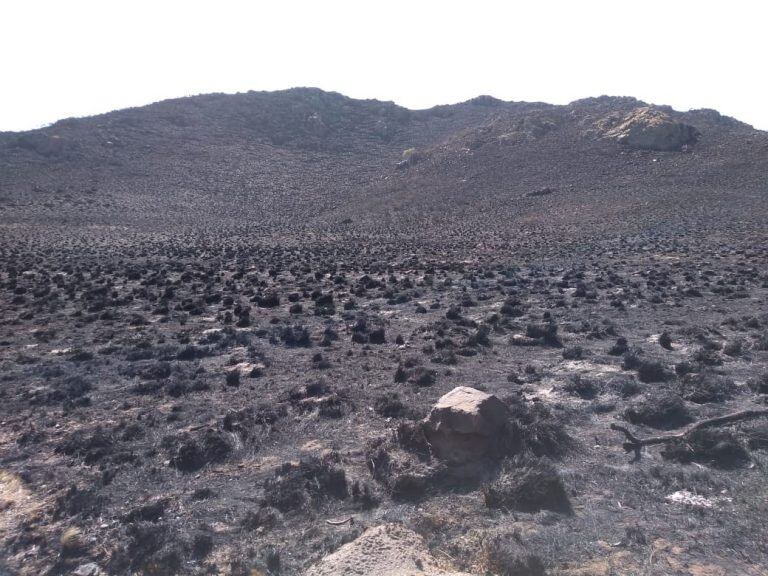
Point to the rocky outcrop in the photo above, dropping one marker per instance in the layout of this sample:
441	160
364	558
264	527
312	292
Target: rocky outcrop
386	550
466	424
647	128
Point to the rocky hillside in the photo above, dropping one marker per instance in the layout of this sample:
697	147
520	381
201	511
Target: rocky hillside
591	164
260	155
304	158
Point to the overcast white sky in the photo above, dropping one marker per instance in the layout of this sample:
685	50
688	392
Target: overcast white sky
63	58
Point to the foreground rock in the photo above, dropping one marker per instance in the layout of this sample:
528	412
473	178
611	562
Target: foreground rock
386	550
466	424
649	129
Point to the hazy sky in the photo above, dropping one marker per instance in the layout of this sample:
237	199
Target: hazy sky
64	58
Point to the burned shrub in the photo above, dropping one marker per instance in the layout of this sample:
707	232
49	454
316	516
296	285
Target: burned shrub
336	405
527	484
533	429
243	317
665	340
480	337
76	501
319	362
364	333
379	459
662	410
249	422
683	368
150	388
619	348
73	388
329	335
201	544
359	337
157	371
446	357
757	436
365	495
232	379
708	357
270	299
265	517
761	341
584	388
71	392
423	377
189	454
174	389
78	355
411	436
512	307
625	385
296	308
296	336
545	334
389	405
715	447
573	353
706	387
409	486
313	390
505	555
202	494
192	352
649	371
307	484
90	447
377	336
403	465
150	549
631	359
454	313
320	396
759	384
324	305
150	512
734	348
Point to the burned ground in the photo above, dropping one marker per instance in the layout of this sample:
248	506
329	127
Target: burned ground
206	357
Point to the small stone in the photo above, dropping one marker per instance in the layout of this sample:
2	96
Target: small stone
89	569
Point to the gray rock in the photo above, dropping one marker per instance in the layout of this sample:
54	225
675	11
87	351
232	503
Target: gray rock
386	550
90	569
647	128
466	424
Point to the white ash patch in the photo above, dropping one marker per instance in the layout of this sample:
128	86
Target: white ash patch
688	498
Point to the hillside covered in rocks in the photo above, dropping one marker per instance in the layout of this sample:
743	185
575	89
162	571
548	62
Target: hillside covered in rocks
297	333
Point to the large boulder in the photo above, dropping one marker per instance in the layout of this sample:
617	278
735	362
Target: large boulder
647	128
466	424
386	550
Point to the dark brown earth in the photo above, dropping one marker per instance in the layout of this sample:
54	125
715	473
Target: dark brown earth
223	318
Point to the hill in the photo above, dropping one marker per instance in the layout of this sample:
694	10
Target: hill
302	159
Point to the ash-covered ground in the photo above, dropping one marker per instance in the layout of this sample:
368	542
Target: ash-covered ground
225	319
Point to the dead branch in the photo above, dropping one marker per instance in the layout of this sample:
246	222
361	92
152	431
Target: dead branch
635	444
350	521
